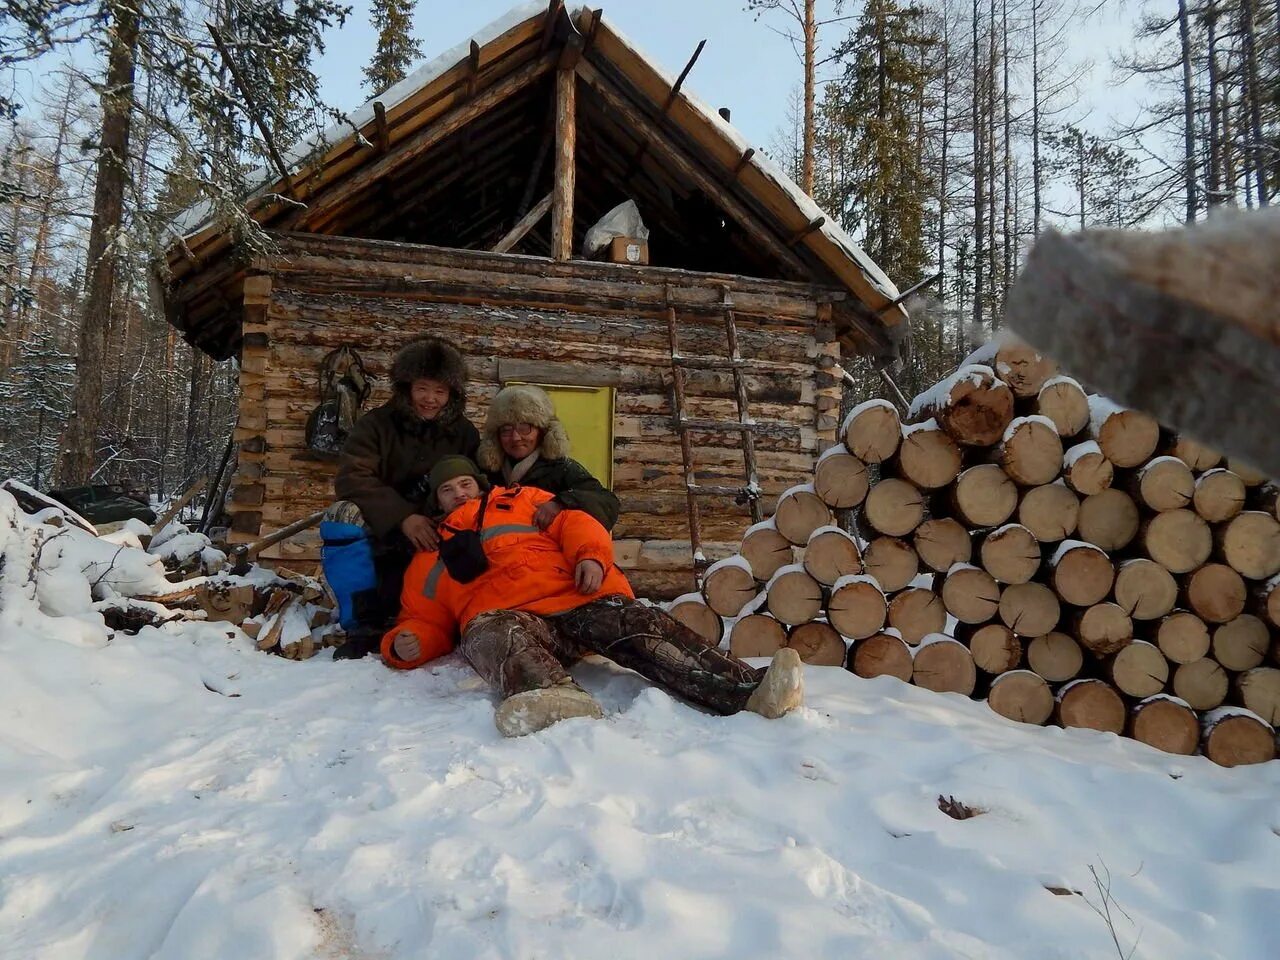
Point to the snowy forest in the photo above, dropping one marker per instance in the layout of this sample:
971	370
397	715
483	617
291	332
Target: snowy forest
943	134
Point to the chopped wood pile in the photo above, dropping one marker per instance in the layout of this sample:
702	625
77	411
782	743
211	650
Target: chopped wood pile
1020	541
141	578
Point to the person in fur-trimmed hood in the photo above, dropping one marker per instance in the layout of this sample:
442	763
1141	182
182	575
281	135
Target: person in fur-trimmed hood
524	443
384	465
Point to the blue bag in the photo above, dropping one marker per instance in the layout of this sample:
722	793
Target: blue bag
347	558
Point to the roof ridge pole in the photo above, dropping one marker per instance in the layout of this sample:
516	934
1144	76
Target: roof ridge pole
566	141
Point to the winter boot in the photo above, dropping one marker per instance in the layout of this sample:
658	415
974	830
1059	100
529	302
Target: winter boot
782	688
535	710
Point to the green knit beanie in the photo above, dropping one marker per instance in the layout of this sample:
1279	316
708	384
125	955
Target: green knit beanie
451	467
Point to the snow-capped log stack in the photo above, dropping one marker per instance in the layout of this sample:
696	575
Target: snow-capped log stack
1013	538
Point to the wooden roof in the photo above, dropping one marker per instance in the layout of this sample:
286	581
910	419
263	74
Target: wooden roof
456	153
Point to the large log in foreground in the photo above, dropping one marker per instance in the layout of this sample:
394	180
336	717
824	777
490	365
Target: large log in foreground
1183	323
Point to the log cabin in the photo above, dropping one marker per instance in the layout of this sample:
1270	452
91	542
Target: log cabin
698	383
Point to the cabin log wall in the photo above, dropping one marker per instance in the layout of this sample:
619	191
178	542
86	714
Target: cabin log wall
318	294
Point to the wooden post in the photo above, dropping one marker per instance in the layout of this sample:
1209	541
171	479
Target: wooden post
562	204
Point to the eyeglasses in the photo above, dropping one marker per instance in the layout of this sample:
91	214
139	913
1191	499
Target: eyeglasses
521	429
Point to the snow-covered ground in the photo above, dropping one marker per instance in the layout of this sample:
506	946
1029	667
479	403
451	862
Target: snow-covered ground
177	794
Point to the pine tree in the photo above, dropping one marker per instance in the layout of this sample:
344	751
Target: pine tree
397	48
884	193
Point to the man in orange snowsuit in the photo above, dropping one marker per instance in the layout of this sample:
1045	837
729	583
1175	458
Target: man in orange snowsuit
522	604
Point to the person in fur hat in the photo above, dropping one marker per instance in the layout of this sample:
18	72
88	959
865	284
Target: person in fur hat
524	443
384	465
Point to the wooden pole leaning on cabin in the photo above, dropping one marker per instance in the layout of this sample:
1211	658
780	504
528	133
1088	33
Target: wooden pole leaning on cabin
686	448
744	410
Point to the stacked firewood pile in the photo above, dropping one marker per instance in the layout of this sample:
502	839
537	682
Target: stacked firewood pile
1019	541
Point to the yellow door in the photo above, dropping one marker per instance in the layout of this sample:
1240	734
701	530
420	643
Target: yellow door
587	415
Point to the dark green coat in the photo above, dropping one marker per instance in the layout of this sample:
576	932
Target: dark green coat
385	461
573	485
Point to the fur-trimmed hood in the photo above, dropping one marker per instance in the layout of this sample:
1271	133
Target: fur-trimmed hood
430	358
521	403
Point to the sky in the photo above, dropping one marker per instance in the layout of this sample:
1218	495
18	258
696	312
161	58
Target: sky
745	66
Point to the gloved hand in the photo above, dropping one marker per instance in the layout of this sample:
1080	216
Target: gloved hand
406	645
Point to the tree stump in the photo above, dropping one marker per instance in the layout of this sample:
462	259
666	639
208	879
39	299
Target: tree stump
872	431
971	405
693	612
1242	643
1219	496
970	594
857	607
1056	656
941	543
1051	512
1166	724
818	644
1021	695
1145	590
1178	540
1103	629
984	496
794	596
1140	670
728	586
832	554
757	635
840	479
1065	404
1031	451
1127	438
1164	483
1091	705
893	563
1021	366
1215	592
1194	454
1236	739
1080	573
996	649
881	655
928	458
915	613
893	508
1250	545
944	665
1011	554
1183	637
1085	470
800	512
1202	683
1029	609
1108	519
1258	690
766	550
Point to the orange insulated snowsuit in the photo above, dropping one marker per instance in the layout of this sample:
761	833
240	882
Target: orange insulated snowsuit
529	569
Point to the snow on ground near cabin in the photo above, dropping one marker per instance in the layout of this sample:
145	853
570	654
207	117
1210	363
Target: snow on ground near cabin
179	795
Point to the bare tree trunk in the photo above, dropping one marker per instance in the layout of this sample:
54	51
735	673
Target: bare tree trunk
1035	115
979	173
1007	266
1215	144
1189	111
810	56
79	445
992	253
944	176
1253	96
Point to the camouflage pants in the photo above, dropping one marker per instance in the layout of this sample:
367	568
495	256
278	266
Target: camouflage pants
516	651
